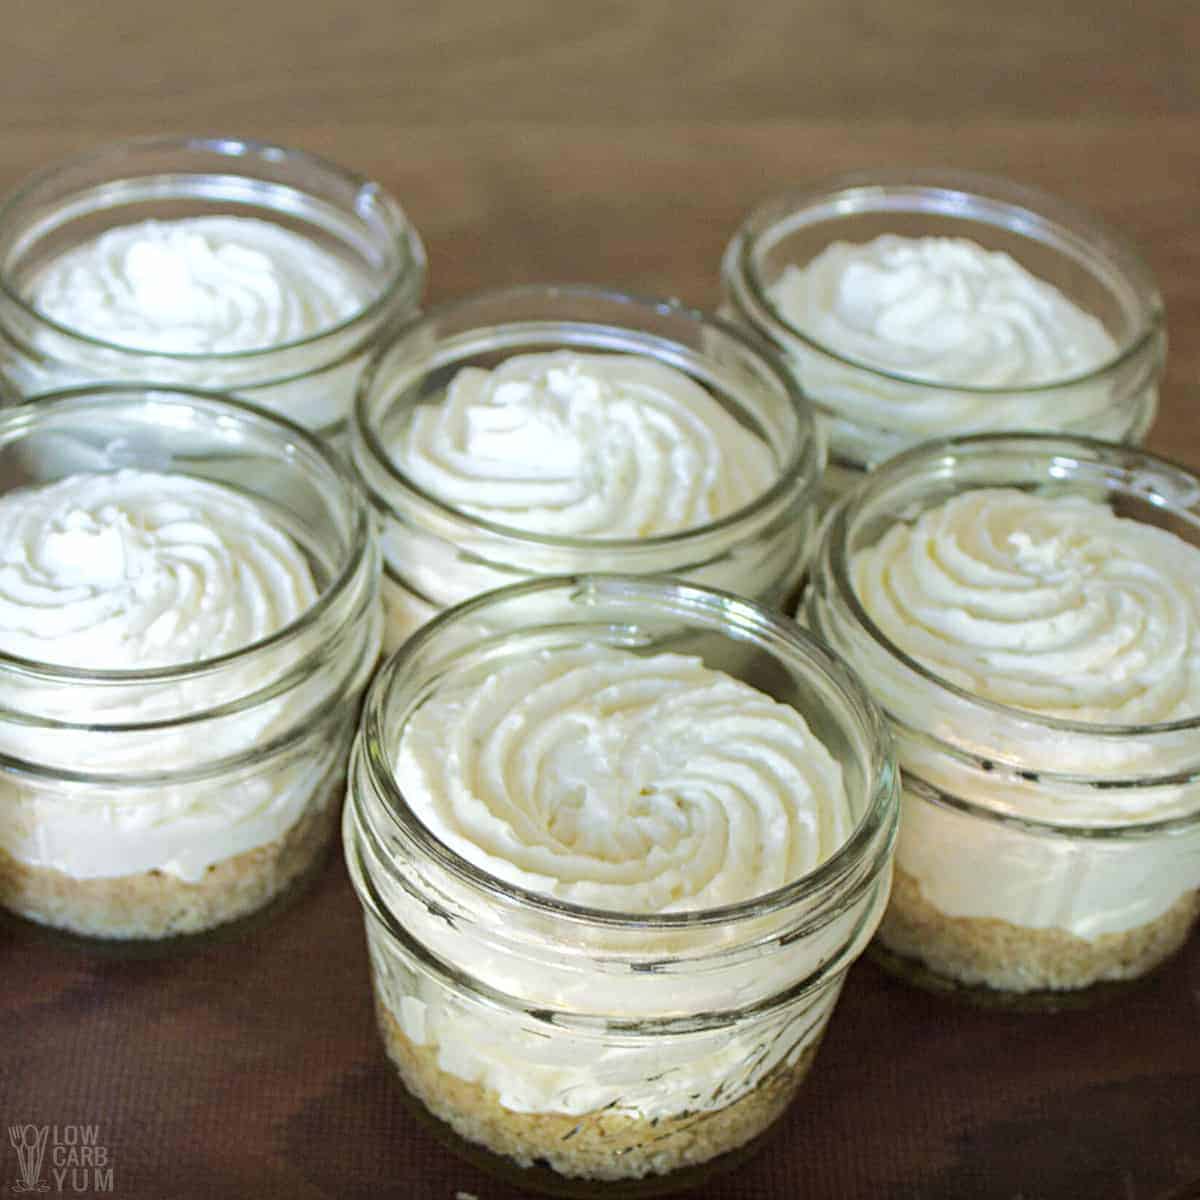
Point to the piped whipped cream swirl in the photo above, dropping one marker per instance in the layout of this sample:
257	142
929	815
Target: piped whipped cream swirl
626	783
584	445
138	569
912	322
198	285
1049	604
943	310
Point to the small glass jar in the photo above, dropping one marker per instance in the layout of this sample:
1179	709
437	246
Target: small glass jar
1038	856
310	380
872	413
139	806
574	1042
436	555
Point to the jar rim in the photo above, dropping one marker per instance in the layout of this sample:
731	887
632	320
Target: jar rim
458	976
803	464
882	806
1079	831
989	199
835	557
407	277
253	755
17	422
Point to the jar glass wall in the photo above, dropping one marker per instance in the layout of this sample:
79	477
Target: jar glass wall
140	804
291	355
1038	853
438	553
895	349
590	1043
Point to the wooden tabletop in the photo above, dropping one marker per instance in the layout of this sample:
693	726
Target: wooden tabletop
619	142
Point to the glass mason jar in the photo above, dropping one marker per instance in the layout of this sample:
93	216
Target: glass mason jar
1038	855
574	1042
870	411
436	554
310	379
137	806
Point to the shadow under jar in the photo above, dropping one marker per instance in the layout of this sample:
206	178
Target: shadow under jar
217	263
230	556
592	457
1026	609
899	332
569	1043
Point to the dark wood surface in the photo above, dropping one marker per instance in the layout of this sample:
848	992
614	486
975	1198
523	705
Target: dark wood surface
618	142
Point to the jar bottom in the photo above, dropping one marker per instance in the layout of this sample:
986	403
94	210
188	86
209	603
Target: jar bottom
559	1154
994	963
153	914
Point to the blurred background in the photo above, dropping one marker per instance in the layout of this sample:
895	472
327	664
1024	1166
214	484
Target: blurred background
621	141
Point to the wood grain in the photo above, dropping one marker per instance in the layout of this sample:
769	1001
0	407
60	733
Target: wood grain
618	142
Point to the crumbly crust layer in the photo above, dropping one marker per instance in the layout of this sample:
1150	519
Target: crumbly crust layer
607	1144
997	954
155	904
